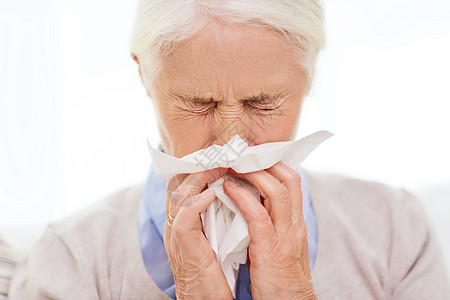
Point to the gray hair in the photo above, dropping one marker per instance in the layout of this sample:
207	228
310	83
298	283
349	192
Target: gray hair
161	24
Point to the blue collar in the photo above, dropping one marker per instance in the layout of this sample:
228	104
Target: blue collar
153	205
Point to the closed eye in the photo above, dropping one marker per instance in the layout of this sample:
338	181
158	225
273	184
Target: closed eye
201	107
264	106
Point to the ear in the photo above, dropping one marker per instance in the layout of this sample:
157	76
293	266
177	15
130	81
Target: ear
135	58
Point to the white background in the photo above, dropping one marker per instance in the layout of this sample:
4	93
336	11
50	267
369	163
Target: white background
74	116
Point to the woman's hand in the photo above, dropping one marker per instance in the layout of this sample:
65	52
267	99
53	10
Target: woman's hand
196	273
278	250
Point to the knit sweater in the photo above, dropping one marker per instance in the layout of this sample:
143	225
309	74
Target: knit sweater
374	242
7	264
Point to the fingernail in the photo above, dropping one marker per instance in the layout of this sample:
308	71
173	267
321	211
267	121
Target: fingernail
231	183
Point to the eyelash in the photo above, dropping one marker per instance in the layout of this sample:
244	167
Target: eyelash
273	107
208	108
205	110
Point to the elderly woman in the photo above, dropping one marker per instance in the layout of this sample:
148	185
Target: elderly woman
212	69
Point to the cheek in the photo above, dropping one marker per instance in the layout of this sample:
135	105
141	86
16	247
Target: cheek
271	129
186	137
181	135
280	126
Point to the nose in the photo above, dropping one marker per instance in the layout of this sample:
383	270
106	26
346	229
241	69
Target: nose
225	129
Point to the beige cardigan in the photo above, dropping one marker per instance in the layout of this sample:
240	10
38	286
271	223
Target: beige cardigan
7	265
374	242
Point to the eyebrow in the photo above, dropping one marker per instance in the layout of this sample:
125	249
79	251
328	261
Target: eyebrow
259	98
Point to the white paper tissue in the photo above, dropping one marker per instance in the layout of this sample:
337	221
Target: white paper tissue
224	225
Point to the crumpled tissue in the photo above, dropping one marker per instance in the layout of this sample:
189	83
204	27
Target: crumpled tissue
223	223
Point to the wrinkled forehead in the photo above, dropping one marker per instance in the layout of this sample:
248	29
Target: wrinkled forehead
231	58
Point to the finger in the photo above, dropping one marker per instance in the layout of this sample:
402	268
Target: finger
191	186
277	194
172	185
194	183
291	179
260	226
186	227
188	216
175	181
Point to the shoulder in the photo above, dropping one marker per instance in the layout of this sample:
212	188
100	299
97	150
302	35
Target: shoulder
382	237
7	264
102	219
372	213
348	188
86	253
101	237
361	201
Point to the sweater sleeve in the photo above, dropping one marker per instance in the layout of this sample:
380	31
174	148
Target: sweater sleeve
7	264
417	265
49	271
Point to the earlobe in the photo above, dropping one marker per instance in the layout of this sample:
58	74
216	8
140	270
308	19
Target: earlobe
135	58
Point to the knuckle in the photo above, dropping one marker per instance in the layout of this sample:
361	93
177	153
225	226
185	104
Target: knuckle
174	182
286	253
281	194
261	216
303	230
194	180
177	198
294	176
